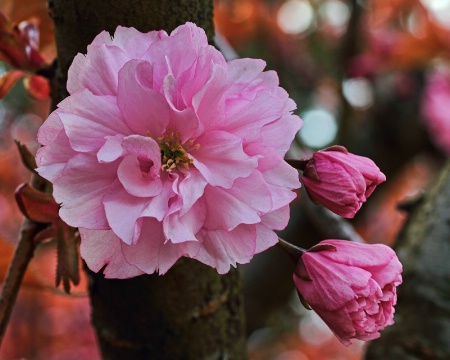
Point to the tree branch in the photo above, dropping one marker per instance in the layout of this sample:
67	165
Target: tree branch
422	320
21	258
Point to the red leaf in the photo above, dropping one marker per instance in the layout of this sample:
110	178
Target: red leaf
8	80
35	205
13	49
37	86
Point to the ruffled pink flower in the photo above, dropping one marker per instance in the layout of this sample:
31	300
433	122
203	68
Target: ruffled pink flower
341	181
164	150
351	286
435	109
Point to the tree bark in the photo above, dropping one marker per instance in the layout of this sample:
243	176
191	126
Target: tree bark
422	318
191	312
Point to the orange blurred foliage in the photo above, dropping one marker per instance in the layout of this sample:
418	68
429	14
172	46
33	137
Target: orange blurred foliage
384	220
241	21
404	34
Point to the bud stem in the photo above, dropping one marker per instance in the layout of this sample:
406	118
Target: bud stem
293	251
298	164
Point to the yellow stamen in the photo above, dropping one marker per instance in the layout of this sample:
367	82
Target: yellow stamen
173	153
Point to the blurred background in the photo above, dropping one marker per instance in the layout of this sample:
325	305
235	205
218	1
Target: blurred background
372	75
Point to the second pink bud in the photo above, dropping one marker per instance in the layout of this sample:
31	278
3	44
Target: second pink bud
341	181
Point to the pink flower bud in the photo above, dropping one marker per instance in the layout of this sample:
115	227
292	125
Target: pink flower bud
351	286
341	181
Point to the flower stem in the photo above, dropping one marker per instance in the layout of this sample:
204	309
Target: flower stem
298	164
293	251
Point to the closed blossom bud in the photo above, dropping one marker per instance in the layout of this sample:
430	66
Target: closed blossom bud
341	181
351	286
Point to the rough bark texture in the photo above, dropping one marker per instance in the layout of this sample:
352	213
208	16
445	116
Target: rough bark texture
77	22
422	328
191	312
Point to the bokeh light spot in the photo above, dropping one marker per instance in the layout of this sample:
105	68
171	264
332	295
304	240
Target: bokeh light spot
335	13
295	16
358	92
319	129
440	10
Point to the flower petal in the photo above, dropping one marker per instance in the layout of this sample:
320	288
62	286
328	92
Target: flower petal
53	159
191	188
338	289
80	190
265	238
50	129
208	103
145	110
99	114
111	149
139	170
118	202
243	72
282	179
225	211
181	228
102	247
179	50
220	248
158	206
221	159
97	71
153	253
277	219
280	134
131	40
135	181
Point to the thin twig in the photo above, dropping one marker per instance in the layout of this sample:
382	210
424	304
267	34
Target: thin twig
22	256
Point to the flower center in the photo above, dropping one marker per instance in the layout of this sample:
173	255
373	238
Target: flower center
173	154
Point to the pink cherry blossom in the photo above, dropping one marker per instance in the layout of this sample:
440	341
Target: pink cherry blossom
163	149
351	286
435	109
341	181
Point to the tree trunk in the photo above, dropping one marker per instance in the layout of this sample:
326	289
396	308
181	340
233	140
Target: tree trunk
422	318
191	312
